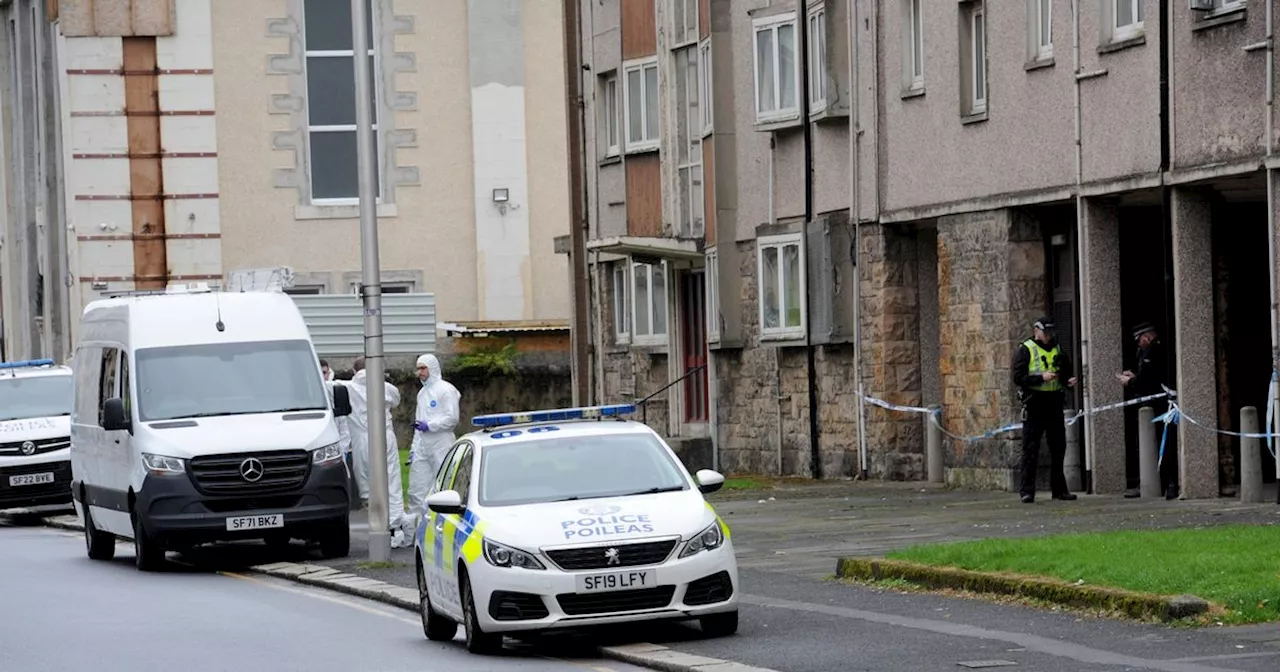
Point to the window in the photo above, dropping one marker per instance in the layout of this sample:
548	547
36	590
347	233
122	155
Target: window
621	316
331	100
23	397
915	44
713	295
304	289
462	476
1127	19
704	85
641	105
781	276
387	287
609	122
690	214
977	59
818	60
1224	6
107	388
443	473
777	71
684	14
1043	16
649	303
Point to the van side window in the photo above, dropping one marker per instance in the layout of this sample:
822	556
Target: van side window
124	385
87	377
462	481
107	378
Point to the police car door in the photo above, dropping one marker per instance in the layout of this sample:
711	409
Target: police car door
455	529
437	544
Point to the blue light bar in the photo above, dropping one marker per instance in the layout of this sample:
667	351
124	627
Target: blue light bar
583	413
26	363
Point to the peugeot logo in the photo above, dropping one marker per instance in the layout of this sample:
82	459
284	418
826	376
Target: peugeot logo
28	448
599	510
611	557
251	470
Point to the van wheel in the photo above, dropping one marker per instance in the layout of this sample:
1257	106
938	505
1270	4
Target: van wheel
437	628
478	641
100	545
335	542
148	555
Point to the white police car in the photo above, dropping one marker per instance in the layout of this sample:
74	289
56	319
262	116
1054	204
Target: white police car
547	520
35	435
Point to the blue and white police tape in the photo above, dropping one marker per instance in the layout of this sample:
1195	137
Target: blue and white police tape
1175	414
935	414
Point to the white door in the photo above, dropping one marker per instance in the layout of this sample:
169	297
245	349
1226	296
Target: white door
438	545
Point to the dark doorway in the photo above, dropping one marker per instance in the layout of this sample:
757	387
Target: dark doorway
1146	281
693	312
1242	329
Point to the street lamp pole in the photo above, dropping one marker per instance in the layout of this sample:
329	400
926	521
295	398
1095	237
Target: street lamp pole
371	291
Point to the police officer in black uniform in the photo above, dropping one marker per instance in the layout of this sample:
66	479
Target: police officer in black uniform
1150	378
1039	365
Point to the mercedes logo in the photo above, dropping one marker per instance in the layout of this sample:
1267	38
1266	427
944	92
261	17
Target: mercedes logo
28	448
251	470
611	557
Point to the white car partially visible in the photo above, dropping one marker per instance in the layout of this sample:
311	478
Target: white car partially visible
549	520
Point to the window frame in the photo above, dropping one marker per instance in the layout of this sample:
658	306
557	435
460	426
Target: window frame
713	294
705	87
691	218
1129	30
781	242
1225	7
621	305
977	16
645	144
651	337
816	49
915	44
773	24
1042	47
612	131
310	129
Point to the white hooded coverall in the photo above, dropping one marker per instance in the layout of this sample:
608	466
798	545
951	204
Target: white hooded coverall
438	408
359	424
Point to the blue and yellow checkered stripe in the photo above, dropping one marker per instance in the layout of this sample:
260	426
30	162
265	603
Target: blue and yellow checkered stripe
463	533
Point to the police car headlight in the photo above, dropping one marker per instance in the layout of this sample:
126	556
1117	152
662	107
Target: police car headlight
705	540
499	555
326	454
162	465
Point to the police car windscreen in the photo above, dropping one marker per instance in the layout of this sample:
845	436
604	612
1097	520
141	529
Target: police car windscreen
35	397
228	379
580	467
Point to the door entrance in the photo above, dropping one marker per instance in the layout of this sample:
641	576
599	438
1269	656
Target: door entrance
693	337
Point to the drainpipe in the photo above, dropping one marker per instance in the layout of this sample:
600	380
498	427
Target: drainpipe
815	454
855	204
1082	236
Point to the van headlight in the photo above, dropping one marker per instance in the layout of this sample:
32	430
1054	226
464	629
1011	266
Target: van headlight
706	540
326	454
162	464
499	555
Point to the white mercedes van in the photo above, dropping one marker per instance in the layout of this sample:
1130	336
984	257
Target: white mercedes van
202	416
35	426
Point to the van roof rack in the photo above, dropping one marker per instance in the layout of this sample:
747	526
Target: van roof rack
189	288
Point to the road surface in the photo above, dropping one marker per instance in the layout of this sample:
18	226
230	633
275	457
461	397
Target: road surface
63	611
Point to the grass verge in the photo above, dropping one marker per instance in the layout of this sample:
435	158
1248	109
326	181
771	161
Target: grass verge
1235	567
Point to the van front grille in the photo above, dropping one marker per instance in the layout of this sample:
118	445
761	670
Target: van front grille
282	471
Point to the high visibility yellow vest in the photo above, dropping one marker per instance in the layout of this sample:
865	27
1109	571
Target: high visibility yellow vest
1041	361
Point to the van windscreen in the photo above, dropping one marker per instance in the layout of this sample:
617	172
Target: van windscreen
227	379
35	397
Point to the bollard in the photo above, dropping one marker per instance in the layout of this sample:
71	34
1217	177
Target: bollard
933	448
1149	453
1250	458
1071	462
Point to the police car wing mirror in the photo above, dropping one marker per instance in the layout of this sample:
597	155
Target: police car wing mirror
445	501
341	401
709	481
113	416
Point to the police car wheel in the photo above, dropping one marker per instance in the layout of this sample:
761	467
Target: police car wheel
719	625
99	545
437	628
148	555
478	641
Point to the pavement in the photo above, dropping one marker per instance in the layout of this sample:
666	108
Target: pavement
788	539
66	612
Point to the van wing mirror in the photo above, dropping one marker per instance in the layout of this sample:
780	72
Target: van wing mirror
341	401
114	417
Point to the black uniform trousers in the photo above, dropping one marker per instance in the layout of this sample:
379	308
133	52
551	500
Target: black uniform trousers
1043	416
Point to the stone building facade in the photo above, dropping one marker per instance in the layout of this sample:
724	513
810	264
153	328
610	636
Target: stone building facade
1102	162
